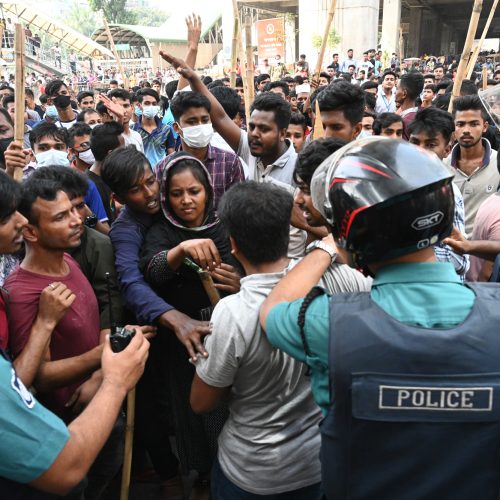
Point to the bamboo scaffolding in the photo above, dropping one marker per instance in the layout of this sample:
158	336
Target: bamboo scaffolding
20	98
326	34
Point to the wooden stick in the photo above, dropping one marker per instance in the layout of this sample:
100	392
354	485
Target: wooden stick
485	77
318	124
129	438
462	66
19	96
234	49
249	64
208	285
475	54
321	55
115	52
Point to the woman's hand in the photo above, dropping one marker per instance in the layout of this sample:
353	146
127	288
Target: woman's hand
227	278
203	252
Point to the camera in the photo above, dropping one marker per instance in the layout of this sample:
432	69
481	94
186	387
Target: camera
121	338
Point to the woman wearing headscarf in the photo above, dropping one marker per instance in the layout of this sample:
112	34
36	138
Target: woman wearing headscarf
190	230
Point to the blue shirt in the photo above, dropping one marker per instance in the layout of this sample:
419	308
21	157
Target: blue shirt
127	235
157	142
429	295
31	437
94	202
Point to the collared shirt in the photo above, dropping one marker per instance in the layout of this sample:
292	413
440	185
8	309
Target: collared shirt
479	185
415	294
384	105
280	171
223	166
344	67
127	235
444	253
157	142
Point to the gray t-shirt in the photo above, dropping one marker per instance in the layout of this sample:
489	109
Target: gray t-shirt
270	442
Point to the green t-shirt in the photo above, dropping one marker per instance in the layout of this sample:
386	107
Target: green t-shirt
429	295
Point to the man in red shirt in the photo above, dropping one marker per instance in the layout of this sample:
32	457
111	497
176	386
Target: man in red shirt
54	298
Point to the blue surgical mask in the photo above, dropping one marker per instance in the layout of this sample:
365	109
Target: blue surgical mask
51	112
137	111
52	157
150	111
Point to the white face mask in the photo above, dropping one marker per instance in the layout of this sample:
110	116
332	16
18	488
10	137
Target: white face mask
52	157
87	157
150	111
198	136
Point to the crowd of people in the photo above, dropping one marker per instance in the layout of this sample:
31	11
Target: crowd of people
304	284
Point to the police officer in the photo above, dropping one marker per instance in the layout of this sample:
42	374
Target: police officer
414	408
39	456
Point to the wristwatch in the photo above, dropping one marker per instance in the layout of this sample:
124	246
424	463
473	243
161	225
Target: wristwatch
91	221
322	246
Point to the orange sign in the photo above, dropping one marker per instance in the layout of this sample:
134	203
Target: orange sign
271	38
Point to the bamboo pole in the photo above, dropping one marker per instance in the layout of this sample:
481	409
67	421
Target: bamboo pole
475	54
234	46
485	77
19	96
318	124
462	66
129	438
115	52
321	55
249	64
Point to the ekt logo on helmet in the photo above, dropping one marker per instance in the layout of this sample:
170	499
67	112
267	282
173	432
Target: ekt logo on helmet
427	221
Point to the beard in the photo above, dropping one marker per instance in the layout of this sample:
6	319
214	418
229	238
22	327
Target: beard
469	144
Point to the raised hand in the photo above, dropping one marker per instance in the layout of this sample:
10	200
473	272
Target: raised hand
193	23
113	107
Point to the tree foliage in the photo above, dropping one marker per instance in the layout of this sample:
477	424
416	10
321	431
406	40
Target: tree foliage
114	10
81	18
332	42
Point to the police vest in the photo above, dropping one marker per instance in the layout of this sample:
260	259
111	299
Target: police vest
415	411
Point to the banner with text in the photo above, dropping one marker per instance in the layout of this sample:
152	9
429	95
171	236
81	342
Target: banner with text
271	38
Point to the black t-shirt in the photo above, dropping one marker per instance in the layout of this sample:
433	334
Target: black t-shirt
105	193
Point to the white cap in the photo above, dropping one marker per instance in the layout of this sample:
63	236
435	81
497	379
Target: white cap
299	89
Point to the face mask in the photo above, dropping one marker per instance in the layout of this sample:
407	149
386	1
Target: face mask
137	111
4	144
363	134
150	111
198	136
52	157
87	157
94	125
62	101
51	111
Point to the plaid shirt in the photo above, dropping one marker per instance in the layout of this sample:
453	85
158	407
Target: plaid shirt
157	142
223	166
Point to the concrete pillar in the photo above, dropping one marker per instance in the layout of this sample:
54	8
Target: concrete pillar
391	21
445	39
355	21
415	30
227	32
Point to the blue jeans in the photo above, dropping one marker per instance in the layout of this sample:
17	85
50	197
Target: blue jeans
223	489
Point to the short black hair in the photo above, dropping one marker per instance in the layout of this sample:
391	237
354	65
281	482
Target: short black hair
43	98
207	79
7	99
433	121
370	100
369	85
113	82
228	98
238	82
299	80
214	84
101	109
278	85
443	85
313	155
262	77
150	92
257	216
430	86
469	102
468	87
185	100
120	94
324	74
385	120
6	86
81	116
346	97
298	119
105	138
442	101
429	75
34	188
83	94
29	93
79	129
122	168
270	101
72	182
10	196
170	88
53	87
413	83
48	130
